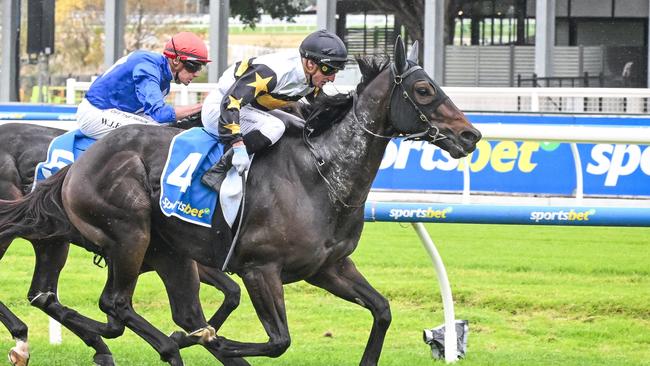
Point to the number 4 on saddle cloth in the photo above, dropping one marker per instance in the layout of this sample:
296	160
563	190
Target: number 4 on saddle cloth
63	151
181	192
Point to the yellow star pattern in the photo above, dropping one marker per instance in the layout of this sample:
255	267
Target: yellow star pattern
243	66
233	127
234	103
260	84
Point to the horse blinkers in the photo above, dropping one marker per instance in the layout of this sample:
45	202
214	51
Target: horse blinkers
414	98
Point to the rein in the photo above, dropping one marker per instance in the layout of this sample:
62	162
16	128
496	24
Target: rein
432	132
306	132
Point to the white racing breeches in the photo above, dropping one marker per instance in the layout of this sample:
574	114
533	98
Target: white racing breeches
96	123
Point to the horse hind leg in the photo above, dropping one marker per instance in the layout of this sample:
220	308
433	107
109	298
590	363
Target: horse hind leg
19	354
50	259
344	280
110	206
9	190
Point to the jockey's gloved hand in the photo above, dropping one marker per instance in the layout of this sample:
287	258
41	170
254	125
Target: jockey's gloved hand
240	159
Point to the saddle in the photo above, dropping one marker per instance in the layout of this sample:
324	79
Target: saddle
182	194
63	151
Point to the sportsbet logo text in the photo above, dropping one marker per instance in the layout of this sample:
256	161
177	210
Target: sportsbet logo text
185	208
503	157
612	161
420	213
561	215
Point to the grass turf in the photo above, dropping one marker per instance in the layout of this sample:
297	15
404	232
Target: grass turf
534	295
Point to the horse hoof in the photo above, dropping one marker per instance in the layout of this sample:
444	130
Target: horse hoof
176	362
18	358
103	360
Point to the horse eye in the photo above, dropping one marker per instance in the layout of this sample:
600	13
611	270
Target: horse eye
422	91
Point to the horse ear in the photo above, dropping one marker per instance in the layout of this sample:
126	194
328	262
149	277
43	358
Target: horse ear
399	56
415	53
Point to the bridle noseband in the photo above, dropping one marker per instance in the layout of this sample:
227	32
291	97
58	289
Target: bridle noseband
431	134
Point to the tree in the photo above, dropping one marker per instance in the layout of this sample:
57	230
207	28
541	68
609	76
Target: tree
80	26
250	11
410	13
78	35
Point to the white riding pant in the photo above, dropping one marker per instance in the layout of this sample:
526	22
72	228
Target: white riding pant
97	123
250	119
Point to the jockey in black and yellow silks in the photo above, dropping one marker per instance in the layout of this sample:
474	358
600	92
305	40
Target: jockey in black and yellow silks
236	112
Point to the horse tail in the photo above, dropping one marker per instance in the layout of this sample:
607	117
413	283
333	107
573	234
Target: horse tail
38	215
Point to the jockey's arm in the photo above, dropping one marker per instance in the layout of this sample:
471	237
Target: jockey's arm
254	81
147	90
183	111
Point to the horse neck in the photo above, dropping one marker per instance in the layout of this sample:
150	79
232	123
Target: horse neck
353	155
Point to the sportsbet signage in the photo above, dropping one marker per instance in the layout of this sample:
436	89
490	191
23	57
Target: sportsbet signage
510	214
518	167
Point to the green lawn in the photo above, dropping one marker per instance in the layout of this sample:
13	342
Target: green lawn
534	295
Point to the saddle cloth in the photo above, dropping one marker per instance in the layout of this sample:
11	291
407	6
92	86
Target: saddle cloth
63	151
181	192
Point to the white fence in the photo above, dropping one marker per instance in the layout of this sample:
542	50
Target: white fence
493	99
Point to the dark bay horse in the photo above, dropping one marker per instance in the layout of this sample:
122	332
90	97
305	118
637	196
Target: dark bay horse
303	215
22	146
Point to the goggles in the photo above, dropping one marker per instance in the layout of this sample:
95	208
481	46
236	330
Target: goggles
192	66
327	70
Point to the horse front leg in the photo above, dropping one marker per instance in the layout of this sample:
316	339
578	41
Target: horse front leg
267	295
230	289
50	259
344	280
181	280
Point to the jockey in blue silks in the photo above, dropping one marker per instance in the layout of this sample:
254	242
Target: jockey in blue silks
133	90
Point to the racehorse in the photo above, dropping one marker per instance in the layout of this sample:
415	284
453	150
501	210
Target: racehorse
303	213
22	146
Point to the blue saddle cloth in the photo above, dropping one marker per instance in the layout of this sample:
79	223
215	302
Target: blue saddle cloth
63	151
181	192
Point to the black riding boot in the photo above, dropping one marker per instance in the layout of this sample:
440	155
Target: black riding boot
214	176
254	141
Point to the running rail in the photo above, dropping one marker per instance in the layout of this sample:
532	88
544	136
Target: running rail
417	213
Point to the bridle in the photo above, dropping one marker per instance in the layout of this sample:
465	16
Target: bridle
431	134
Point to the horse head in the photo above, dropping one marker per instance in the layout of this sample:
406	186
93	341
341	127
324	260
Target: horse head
420	109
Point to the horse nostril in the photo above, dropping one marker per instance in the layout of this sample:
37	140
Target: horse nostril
472	135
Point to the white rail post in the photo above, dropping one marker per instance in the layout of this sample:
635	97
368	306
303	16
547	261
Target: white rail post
70	91
451	347
55	332
466	183
578	167
185	95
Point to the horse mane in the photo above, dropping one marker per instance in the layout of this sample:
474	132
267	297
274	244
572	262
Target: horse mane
327	110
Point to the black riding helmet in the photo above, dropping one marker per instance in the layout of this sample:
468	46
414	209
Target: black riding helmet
325	48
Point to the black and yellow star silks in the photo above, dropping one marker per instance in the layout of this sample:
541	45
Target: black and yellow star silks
234	103
260	84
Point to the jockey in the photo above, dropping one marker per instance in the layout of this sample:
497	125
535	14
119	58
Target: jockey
236	112
133	90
